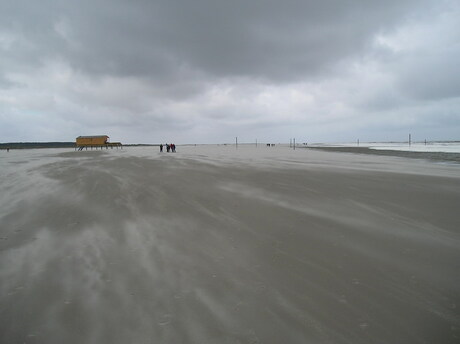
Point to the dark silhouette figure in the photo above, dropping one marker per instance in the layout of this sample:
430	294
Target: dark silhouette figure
161	147
168	147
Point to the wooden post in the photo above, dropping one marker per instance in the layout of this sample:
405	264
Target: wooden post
409	139
294	144
236	142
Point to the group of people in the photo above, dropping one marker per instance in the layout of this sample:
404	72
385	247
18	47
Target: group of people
169	147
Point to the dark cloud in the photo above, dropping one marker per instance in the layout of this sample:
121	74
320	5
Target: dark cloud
274	40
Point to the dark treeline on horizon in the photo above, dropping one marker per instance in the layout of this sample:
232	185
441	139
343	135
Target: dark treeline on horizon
25	145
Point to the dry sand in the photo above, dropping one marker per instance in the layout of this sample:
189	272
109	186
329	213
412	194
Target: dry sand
218	245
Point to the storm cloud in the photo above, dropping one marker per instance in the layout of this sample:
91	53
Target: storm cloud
206	70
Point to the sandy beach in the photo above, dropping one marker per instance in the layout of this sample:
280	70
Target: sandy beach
215	244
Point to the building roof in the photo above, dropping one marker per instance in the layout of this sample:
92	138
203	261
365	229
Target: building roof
91	137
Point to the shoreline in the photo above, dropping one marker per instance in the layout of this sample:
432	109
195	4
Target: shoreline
432	156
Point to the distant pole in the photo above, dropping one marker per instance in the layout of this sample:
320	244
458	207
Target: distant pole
410	139
256	142
425	142
358	142
290	143
236	141
294	144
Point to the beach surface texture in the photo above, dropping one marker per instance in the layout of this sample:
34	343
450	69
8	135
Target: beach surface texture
218	244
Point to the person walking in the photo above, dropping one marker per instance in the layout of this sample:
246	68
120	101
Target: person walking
161	147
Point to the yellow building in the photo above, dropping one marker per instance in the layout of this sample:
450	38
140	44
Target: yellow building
92	140
95	141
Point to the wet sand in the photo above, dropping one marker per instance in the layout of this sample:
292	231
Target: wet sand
433	156
221	245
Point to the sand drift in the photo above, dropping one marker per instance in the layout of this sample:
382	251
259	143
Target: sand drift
221	245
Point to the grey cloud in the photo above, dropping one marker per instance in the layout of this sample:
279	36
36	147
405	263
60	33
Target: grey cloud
273	40
432	77
150	67
5	83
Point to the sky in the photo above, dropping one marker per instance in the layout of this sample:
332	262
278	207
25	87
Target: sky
207	71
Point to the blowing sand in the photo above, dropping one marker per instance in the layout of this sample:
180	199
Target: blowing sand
224	245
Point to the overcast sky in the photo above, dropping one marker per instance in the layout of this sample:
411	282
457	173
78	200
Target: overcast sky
206	71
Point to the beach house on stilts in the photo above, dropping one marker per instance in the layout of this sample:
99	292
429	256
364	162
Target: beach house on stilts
96	142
